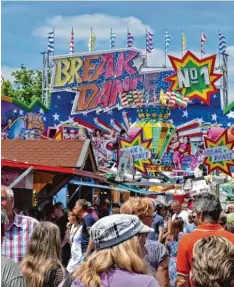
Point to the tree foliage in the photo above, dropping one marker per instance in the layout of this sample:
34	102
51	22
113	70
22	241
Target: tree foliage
26	86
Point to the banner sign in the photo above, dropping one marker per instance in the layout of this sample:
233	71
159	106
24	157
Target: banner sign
139	152
194	77
10	175
98	77
219	154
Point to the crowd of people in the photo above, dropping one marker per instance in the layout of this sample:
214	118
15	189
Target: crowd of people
134	244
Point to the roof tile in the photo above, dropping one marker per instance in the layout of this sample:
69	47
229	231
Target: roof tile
43	152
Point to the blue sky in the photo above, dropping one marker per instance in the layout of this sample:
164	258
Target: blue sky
25	25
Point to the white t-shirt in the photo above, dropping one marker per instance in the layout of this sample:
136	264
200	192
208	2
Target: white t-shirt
76	252
184	215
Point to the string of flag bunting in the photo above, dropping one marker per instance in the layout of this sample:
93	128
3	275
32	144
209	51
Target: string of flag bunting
203	40
130	40
149	36
222	44
183	43
112	39
50	45
92	41
72	42
149	42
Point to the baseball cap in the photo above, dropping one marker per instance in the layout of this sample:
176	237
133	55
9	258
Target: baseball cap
114	229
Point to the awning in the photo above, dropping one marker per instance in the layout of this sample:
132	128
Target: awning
53	169
111	186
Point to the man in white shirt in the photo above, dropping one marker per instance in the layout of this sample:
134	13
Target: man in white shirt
179	213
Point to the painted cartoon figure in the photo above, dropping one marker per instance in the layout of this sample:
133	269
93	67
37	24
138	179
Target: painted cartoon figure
185	147
99	147
98	139
174	148
82	134
111	149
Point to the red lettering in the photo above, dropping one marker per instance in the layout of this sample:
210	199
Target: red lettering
126	84
102	96
88	67
84	100
123	63
106	67
117	88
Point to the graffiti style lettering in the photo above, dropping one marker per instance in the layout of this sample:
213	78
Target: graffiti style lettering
75	66
91	96
106	67
67	71
62	75
116	89
123	64
102	96
89	67
86	96
98	78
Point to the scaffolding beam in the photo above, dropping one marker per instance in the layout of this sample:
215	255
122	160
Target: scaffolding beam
46	76
224	69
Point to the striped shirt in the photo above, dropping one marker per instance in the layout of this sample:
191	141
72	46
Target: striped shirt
17	237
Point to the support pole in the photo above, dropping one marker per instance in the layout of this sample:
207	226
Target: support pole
165	50
146	47
224	69
19	178
45	78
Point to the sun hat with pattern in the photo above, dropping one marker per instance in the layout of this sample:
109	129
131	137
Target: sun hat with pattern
114	229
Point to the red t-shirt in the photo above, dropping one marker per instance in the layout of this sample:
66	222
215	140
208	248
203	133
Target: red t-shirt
187	242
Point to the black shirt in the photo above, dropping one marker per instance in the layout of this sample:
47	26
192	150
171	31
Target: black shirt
62	224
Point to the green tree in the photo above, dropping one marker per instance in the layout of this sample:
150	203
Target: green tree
27	85
6	88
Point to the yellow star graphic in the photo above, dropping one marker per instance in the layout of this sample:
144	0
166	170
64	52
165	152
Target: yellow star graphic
140	165
180	64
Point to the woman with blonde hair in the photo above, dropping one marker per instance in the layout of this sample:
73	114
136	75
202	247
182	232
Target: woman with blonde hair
155	253
117	259
213	263
42	265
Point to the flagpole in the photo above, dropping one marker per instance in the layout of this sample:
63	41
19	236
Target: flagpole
111	38
91	40
146	46
73	36
127	36
218	48
165	49
182	47
72	42
201	43
54	39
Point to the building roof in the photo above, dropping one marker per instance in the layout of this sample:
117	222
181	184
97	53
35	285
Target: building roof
72	154
52	169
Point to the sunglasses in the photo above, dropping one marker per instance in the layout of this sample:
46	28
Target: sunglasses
4	198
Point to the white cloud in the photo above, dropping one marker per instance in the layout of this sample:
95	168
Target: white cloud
100	24
6	73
